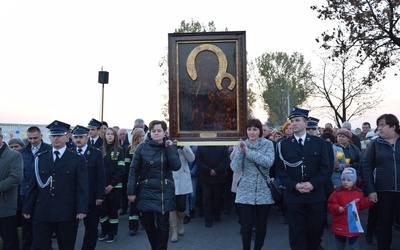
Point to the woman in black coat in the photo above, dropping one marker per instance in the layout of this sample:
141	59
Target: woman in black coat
151	167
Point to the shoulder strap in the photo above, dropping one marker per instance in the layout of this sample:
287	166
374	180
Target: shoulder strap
144	171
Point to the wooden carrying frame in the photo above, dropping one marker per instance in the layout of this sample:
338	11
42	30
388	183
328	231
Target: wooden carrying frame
207	87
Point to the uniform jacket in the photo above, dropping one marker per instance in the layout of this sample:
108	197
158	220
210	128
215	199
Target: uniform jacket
340	198
96	174
212	157
384	159
315	168
252	188
114	166
182	177
11	165
67	196
154	163
28	164
98	143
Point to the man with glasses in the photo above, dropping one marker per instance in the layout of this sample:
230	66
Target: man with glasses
97	182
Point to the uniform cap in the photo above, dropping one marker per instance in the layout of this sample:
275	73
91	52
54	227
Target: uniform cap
80	131
298	112
312	122
58	128
94	124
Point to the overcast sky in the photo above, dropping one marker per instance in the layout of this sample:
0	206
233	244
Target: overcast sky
51	52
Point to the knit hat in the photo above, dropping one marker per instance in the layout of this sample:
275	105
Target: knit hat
350	174
344	132
16	140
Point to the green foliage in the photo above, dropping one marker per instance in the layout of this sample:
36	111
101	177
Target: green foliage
373	29
194	27
277	75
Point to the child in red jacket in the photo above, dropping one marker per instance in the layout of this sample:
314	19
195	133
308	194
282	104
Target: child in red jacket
337	202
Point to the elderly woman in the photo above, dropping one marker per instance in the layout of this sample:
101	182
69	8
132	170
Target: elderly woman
253	158
352	154
16	144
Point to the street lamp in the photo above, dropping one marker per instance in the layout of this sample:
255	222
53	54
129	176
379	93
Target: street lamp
103	79
288	100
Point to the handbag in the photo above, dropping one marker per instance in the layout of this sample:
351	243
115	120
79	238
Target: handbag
272	184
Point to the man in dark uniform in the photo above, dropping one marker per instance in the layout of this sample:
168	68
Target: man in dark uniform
94	133
58	193
303	168
97	182
36	145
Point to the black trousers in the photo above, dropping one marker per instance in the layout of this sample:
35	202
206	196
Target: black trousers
180	202
306	225
91	222
109	212
8	232
66	234
387	203
253	216
157	229
212	200
133	216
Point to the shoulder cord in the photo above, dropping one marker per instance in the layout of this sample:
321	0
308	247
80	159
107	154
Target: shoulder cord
287	164
38	179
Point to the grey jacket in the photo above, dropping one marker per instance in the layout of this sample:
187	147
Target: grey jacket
11	165
252	188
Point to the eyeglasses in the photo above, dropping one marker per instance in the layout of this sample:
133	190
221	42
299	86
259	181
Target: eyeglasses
311	129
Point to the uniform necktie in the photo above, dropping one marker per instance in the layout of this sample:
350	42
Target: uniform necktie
57	153
92	142
34	150
79	151
301	143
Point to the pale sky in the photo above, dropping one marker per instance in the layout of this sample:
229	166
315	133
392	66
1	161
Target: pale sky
51	52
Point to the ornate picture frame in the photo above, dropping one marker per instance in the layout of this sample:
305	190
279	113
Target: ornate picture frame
207	87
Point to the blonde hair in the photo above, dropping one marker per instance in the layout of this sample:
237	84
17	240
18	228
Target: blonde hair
136	134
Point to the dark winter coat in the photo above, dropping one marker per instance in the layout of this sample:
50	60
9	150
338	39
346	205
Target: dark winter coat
212	157
152	167
384	159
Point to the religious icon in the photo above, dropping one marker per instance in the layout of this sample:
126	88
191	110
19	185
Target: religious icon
207	86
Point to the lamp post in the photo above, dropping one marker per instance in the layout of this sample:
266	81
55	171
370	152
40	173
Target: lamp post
103	79
288	100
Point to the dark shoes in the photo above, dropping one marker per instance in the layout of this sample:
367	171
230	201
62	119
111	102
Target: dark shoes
102	237
186	220
369	237
209	224
110	238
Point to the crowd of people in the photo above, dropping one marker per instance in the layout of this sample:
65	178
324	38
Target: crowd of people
95	173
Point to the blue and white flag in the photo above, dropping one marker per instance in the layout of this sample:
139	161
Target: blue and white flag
353	220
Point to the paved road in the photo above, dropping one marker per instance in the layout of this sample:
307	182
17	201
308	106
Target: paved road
222	235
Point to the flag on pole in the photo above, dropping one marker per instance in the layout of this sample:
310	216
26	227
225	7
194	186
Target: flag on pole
353	220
